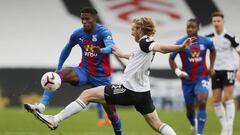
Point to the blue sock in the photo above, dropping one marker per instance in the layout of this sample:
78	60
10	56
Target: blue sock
47	96
191	118
100	111
202	118
116	123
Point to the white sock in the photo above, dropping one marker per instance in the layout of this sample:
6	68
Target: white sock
221	114
166	130
73	108
230	111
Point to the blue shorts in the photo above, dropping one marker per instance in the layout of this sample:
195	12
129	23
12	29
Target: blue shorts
86	79
191	89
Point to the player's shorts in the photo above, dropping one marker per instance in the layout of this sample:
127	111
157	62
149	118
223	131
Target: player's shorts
86	79
223	78
190	90
117	94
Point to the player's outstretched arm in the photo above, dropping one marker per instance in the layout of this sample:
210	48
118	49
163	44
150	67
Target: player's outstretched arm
64	55
118	52
173	48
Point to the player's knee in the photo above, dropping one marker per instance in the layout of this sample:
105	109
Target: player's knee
86	95
202	104
227	97
217	99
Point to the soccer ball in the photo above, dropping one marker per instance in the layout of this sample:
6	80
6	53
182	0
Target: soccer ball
51	81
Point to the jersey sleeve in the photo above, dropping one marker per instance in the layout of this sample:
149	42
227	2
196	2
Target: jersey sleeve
210	44
108	41
146	44
234	40
66	51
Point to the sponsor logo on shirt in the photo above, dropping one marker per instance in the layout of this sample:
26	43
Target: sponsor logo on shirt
89	51
195	57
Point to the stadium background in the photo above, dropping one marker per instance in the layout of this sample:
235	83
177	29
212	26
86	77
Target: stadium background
33	32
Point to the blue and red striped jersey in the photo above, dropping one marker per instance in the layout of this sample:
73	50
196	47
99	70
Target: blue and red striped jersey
194	58
95	64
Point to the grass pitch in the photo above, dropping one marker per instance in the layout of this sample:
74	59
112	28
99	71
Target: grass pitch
16	121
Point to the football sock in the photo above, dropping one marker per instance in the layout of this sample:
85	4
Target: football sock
221	114
166	130
201	119
73	108
191	118
47	96
116	123
230	111
100	111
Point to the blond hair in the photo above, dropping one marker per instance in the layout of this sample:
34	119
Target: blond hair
146	24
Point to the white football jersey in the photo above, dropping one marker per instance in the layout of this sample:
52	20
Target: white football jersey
225	44
136	73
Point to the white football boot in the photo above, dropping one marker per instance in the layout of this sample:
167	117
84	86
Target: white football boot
39	107
47	119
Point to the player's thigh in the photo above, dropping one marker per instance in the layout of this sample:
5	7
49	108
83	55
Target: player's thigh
153	120
93	95
68	74
201	90
188	93
100	81
77	76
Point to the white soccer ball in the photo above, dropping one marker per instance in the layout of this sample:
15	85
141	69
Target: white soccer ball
51	81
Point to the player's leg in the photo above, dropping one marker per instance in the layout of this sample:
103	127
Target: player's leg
189	98
154	122
90	95
110	109
229	81
201	90
115	119
217	86
68	75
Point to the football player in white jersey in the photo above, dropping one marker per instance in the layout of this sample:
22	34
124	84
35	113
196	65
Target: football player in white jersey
225	68
135	88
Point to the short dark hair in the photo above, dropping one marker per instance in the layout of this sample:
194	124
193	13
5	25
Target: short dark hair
195	20
219	14
89	10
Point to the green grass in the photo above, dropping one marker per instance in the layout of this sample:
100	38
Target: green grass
17	121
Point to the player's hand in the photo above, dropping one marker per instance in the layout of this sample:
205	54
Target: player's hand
117	51
181	74
238	75
96	49
188	42
212	72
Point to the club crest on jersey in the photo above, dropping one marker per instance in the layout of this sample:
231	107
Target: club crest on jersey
94	38
202	47
80	39
89	51
195	57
